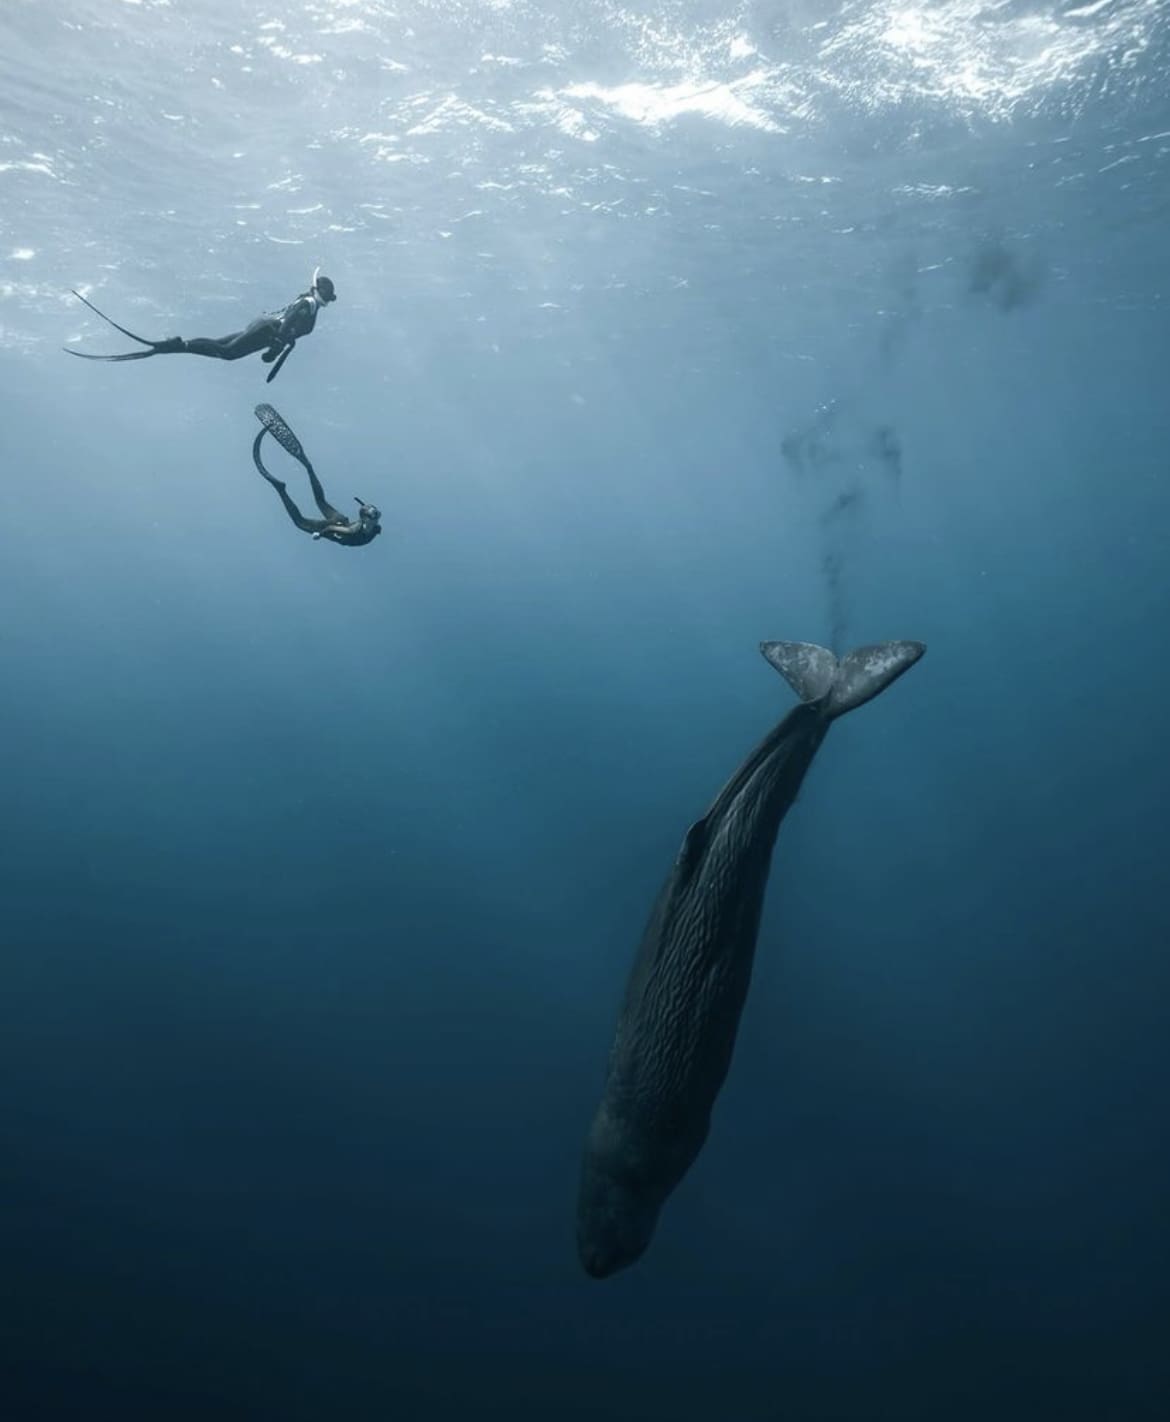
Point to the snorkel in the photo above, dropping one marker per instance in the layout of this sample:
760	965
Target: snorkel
368	513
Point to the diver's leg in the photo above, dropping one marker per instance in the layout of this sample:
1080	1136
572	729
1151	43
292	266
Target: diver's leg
330	513
256	337
209	346
307	525
275	425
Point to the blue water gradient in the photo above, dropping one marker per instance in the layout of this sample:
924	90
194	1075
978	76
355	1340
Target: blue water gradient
662	329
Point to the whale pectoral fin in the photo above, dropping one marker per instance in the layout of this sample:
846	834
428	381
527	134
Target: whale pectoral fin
808	669
694	842
867	671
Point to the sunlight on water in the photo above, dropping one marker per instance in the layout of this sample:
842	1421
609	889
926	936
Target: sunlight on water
654	105
989	60
376	123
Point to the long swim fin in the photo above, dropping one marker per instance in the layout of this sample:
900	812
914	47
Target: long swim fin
172	346
142	341
817	677
126	355
274	423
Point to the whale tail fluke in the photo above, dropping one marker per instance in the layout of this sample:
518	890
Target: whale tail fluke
816	675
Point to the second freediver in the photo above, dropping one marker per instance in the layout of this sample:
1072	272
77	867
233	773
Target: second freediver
333	525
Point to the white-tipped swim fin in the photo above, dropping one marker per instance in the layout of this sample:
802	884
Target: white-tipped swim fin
817	677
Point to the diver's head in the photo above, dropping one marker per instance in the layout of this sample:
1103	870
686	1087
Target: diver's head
368	513
615	1222
322	288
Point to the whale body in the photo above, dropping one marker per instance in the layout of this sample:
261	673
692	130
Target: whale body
678	1021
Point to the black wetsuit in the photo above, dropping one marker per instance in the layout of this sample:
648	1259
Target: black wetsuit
333	524
270	334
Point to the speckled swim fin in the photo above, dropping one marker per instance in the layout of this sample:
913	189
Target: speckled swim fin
276	426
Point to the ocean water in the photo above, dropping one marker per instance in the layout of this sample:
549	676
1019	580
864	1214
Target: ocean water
662	329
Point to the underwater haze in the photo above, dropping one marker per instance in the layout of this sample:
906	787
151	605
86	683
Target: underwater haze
662	329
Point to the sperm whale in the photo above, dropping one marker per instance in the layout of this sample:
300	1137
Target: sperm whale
686	990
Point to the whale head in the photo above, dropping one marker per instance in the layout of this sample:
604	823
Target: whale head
617	1207
615	1225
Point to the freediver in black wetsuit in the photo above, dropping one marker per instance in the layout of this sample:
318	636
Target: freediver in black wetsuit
275	334
334	526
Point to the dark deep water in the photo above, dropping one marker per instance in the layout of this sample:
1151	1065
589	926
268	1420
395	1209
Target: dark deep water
661	330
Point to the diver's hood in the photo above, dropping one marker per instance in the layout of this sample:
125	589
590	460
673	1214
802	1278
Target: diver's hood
323	298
